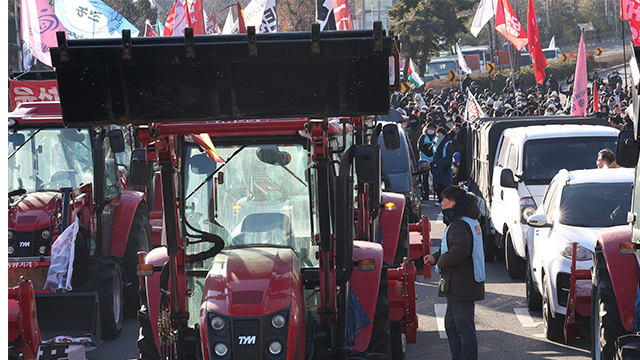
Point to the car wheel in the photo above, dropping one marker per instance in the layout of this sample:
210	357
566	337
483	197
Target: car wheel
515	264
534	299
553	326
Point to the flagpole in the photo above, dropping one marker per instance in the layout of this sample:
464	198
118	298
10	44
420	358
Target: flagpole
513	83
537	95
18	36
624	57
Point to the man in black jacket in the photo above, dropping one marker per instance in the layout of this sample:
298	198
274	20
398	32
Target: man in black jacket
462	273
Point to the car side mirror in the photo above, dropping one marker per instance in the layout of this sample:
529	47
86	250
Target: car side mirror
539	220
140	169
116	140
507	179
627	149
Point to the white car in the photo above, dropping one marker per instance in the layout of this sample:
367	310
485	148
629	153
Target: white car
576	205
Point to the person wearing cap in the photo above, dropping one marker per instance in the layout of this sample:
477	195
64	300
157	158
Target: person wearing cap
616	122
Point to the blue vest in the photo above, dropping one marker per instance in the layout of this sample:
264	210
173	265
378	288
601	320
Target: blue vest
478	249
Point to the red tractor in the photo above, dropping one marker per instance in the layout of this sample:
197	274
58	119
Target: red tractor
616	295
59	176
265	254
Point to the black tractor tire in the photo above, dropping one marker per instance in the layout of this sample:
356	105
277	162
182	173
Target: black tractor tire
516	266
606	324
553	326
380	344
398	341
534	298
106	277
147	349
139	240
402	250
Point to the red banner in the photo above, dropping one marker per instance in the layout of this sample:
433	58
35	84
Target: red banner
508	25
32	90
535	50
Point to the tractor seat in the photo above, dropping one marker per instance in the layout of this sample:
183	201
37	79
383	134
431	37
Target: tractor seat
265	228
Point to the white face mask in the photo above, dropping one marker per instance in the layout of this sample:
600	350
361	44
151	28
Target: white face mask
431	132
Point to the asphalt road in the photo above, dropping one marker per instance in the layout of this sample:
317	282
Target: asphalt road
506	329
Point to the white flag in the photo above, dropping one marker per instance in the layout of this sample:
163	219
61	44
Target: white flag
269	18
228	24
462	63
91	19
473	111
485	12
552	43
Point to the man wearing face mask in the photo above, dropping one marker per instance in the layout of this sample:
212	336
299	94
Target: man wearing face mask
414	131
441	167
460	263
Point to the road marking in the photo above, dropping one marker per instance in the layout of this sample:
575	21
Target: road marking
525	318
441	309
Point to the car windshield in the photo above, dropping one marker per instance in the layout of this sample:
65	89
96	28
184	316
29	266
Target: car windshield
595	204
49	159
543	158
441	67
260	197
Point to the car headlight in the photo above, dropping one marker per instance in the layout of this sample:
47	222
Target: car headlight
582	253
527	208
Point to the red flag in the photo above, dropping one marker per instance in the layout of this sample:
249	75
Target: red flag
535	50
242	29
196	20
342	15
596	99
168	25
148	30
508	25
212	24
630	11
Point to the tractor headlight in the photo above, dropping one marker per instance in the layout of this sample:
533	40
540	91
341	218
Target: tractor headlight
11	250
217	323
220	349
42	249
46	234
275	347
10	236
278	321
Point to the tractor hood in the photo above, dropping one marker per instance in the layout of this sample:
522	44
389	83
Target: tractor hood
252	281
32	211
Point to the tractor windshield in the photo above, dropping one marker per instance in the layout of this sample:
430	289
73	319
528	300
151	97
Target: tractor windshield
49	159
260	196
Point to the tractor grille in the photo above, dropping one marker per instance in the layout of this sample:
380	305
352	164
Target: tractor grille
563	284
24	244
247	339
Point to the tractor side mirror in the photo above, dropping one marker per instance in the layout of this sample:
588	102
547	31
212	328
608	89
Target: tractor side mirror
391	136
272	155
627	149
366	164
116	140
507	180
140	169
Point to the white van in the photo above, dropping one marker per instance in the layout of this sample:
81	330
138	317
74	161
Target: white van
526	161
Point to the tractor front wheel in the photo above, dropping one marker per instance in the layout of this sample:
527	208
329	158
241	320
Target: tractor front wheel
139	240
105	277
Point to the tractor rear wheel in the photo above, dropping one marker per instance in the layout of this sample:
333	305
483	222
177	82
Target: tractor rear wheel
105	277
606	324
147	349
398	342
139	240
402	250
381	332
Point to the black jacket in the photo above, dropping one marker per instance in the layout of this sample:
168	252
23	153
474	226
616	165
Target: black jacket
456	278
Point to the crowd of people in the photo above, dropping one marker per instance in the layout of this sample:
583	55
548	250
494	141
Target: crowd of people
434	119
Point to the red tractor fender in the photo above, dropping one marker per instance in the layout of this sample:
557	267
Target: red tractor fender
366	285
123	218
23	319
622	269
390	223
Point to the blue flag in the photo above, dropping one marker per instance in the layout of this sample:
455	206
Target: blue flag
91	19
